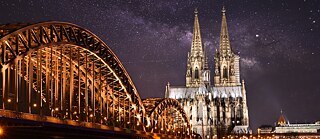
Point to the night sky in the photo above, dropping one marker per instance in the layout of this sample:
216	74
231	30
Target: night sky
278	42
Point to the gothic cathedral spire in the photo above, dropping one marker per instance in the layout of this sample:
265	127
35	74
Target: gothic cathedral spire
225	48
197	69
226	62
198	98
197	47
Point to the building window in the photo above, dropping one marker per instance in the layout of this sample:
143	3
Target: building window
239	113
196	73
233	112
225	72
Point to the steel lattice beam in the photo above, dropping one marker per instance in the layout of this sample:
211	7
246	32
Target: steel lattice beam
58	69
54	59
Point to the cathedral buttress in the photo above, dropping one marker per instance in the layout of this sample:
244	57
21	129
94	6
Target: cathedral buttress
198	73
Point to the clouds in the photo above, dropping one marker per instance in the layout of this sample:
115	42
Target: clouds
251	63
186	38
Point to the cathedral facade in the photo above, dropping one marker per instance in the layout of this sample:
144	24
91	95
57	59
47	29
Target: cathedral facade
218	108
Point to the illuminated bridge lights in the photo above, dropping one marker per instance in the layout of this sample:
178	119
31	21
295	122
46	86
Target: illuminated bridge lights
64	72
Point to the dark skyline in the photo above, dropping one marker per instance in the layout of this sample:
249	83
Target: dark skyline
277	40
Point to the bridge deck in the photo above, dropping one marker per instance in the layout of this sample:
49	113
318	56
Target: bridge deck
25	125
18	128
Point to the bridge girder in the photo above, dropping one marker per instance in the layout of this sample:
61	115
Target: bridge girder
62	70
166	115
74	61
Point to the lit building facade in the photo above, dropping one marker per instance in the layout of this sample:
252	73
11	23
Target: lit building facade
284	129
298	128
218	108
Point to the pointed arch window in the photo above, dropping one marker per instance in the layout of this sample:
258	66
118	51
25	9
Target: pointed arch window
233	112
225	72
196	73
239	113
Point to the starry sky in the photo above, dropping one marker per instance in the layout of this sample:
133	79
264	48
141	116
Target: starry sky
278	42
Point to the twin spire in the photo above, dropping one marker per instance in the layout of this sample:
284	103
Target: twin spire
197	47
198	73
224	49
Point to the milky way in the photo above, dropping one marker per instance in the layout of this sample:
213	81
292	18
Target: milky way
278	42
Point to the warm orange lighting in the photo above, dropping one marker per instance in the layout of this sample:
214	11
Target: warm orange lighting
134	107
75	112
91	115
57	109
34	105
1	131
9	100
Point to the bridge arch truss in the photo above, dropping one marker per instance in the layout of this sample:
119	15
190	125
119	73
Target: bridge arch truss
62	70
166	116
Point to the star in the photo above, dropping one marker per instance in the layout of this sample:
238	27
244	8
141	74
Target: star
143	32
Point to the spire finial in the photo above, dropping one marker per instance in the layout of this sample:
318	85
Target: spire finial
196	10
223	10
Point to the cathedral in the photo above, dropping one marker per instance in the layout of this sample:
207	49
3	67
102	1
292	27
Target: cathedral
219	108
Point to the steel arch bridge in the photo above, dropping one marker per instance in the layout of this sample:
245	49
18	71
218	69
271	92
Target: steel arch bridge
165	115
62	73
